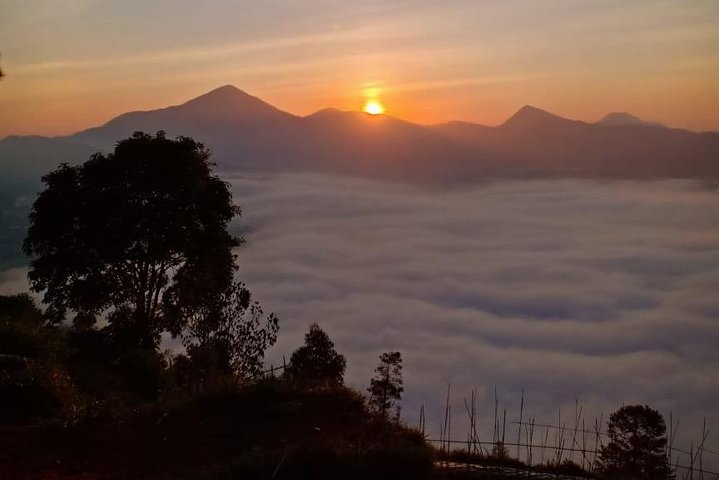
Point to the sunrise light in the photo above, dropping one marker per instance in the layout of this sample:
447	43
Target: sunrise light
373	107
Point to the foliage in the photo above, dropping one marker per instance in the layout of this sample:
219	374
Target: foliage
316	363
637	445
22	329
386	387
134	234
229	336
33	380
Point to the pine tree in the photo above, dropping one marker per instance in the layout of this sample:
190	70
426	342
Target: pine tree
386	387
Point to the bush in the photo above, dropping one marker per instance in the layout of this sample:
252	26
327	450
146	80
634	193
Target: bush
32	391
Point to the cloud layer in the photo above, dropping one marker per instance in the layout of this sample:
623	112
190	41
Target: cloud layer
605	292
602	292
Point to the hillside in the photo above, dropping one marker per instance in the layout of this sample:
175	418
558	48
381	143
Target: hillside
247	433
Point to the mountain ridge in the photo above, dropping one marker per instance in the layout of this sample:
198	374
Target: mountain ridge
625	118
246	133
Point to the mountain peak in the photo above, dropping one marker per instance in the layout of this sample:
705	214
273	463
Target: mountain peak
226	88
229	100
528	116
223	93
624	118
326	112
531	110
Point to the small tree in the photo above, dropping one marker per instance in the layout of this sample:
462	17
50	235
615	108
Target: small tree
637	446
386	387
229	336
316	363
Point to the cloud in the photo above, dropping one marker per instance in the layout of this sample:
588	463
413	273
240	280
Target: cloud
599	291
603	292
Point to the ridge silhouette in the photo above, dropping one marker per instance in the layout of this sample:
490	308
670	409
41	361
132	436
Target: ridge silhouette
247	133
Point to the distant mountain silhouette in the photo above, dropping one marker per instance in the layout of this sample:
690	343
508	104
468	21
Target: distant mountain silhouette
245	133
529	117
624	118
24	160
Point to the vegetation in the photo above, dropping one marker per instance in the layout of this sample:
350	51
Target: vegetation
637	445
227	432
138	235
226	338
33	379
316	363
386	387
132	245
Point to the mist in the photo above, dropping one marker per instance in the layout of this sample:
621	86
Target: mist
601	292
573	290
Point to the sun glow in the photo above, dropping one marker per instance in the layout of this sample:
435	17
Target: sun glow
373	107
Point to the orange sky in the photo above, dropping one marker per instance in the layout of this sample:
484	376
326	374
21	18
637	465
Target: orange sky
75	64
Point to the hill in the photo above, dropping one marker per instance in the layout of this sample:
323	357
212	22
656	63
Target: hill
263	431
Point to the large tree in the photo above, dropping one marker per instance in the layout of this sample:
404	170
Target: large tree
637	446
138	235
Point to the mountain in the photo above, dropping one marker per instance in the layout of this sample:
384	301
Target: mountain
24	160
534	142
530	118
228	120
624	118
246	133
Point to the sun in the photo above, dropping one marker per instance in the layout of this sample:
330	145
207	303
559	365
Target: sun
373	107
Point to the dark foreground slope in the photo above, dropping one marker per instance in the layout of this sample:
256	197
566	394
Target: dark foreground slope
244	434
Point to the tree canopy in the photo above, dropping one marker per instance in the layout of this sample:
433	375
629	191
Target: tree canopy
230	335
317	363
137	235
637	445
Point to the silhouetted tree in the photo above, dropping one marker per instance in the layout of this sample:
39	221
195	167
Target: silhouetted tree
229	336
33	380
139	234
386	387
316	363
637	446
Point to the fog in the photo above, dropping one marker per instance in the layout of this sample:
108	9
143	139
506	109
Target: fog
573	290
603	293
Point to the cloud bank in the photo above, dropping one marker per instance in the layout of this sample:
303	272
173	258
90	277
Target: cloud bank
601	292
605	292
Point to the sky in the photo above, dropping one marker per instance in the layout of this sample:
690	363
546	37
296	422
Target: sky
74	64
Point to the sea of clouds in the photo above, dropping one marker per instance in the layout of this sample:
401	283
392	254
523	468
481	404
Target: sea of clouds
603	293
